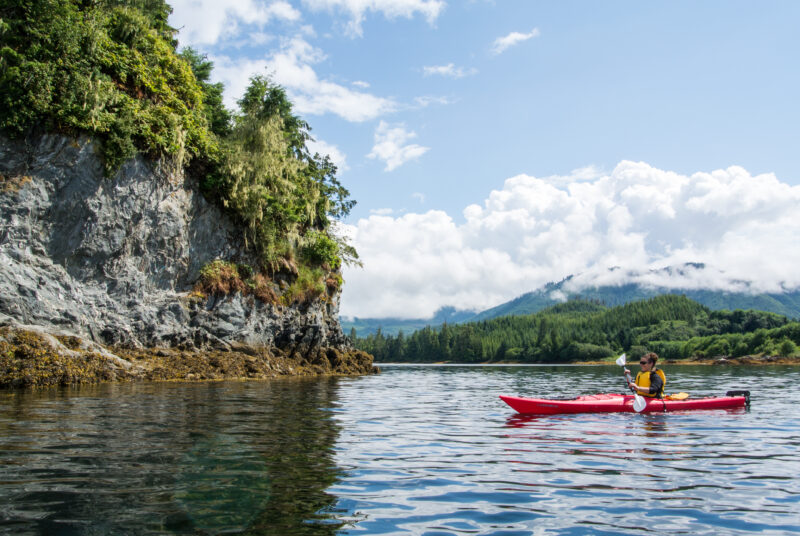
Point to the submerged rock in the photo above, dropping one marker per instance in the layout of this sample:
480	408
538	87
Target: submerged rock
112	262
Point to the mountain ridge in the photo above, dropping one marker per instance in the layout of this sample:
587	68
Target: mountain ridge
786	304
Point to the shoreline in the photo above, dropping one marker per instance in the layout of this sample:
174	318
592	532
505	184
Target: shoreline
714	361
31	357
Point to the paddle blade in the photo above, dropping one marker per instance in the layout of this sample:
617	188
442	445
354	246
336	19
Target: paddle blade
621	360
639	403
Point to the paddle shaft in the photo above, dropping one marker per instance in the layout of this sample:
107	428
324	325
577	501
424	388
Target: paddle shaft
630	380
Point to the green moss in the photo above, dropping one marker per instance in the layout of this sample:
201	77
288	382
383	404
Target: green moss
27	360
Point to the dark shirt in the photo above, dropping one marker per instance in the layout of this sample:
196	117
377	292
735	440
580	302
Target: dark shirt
656	383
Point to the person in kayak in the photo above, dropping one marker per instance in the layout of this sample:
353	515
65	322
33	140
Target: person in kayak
650	381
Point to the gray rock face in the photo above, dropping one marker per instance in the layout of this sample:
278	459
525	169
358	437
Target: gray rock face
114	259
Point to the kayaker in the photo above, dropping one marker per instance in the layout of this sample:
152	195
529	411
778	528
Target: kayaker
650	381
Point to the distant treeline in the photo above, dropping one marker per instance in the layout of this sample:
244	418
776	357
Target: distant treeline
674	327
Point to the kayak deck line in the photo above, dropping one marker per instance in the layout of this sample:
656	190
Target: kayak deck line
621	403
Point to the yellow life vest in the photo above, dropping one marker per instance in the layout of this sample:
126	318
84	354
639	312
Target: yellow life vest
643	381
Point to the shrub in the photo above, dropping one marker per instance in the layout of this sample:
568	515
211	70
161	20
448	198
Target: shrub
104	68
220	278
787	348
261	287
319	249
308	286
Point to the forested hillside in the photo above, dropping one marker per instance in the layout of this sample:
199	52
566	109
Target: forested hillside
786	303
675	327
111	69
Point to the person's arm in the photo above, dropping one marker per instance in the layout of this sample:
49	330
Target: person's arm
656	383
627	374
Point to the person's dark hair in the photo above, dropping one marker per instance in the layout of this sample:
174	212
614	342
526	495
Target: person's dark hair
652	357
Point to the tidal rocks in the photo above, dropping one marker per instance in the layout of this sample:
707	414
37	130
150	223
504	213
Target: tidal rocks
31	357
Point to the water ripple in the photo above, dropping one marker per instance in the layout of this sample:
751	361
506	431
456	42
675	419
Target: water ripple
714	472
416	450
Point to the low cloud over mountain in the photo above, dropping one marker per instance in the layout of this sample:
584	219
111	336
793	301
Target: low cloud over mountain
639	219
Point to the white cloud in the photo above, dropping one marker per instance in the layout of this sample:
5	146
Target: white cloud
381	211
450	70
291	66
419	196
207	22
235	75
641	219
357	9
502	43
361	84
391	145
424	102
336	155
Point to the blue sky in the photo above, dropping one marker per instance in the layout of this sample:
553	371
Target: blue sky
453	119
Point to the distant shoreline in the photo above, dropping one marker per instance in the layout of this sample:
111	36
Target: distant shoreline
717	361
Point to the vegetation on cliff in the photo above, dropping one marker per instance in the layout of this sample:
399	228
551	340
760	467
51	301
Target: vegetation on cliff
111	68
675	327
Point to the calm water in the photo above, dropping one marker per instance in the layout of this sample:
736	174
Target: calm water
415	450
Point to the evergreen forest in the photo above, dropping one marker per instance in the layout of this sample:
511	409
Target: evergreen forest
674	327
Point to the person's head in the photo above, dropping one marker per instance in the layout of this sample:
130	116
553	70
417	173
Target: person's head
648	361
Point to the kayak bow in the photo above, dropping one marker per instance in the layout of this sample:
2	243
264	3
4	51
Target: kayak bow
619	403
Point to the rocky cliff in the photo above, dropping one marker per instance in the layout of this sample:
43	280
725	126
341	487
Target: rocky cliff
111	262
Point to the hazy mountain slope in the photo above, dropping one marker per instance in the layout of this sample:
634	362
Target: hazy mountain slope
787	304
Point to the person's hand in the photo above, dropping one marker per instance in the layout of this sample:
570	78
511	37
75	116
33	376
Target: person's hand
626	371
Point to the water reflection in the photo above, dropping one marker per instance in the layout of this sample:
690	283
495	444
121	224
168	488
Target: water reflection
252	458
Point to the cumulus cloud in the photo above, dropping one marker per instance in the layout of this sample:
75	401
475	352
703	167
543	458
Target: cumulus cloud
450	70
501	44
637	218
357	10
335	154
391	145
207	22
292	66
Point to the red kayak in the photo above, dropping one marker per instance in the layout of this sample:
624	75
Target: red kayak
618	403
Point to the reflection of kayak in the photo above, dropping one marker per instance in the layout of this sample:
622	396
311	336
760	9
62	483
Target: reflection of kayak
617	403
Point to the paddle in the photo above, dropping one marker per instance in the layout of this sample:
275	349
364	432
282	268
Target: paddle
638	401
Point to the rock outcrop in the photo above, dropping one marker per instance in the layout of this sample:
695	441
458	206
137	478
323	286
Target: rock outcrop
113	260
